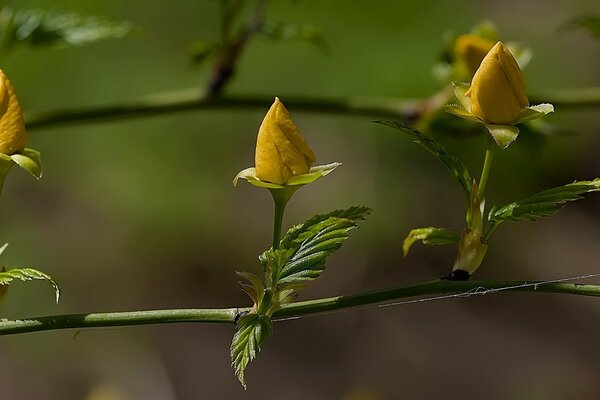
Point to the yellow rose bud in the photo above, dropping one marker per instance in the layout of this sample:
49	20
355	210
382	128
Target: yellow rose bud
471	49
281	151
13	136
498	88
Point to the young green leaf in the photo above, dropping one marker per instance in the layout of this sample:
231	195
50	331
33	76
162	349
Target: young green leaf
456	167
42	28
431	237
27	274
251	332
312	242
542	204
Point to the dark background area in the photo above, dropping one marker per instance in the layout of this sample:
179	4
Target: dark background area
141	214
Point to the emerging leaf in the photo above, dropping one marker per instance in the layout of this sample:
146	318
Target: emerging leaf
456	167
251	332
43	28
542	204
431	237
27	274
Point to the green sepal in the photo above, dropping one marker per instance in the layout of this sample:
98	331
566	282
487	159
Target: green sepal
251	332
460	112
534	112
30	161
431	237
540	205
460	91
249	174
456	167
503	135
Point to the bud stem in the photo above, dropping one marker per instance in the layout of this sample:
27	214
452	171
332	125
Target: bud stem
281	198
485	172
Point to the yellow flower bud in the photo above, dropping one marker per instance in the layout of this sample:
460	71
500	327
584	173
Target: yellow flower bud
281	151
13	136
498	88
471	49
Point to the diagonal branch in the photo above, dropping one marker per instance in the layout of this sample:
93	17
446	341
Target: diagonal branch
230	315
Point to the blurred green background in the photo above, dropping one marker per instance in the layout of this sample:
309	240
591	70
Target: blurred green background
141	214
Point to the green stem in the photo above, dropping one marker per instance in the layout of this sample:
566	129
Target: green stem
229	315
278	221
189	100
485	171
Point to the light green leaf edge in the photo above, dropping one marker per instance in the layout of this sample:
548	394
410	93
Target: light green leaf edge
249	174
251	332
431	237
27	274
30	161
534	112
456	167
540	205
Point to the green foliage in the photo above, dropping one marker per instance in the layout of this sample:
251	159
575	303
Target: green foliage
299	259
252	330
45	28
27	274
589	23
540	205
283	31
456	167
431	237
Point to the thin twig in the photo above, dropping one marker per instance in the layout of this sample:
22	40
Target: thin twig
189	100
229	315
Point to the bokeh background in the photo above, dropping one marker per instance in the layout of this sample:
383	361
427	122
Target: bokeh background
141	214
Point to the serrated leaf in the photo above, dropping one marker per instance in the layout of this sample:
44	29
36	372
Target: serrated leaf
251	332
431	237
312	242
540	205
30	161
456	167
43	28
28	274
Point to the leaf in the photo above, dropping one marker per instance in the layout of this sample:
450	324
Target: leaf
30	161
456	167
312	242
27	274
42	28
251	332
431	237
282	31
252	286
540	205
